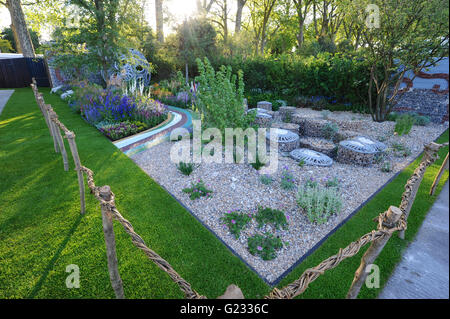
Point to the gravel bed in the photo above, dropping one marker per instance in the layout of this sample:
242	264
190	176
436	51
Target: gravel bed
238	186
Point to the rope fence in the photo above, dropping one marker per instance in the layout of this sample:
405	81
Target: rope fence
389	222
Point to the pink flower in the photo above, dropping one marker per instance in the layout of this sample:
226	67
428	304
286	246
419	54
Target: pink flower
259	248
233	221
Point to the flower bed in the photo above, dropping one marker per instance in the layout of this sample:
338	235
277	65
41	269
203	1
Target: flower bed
116	113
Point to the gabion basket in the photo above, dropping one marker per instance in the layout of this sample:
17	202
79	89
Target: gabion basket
358	147
283	136
379	147
310	157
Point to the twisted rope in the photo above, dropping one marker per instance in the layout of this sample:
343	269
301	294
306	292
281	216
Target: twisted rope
138	241
299	286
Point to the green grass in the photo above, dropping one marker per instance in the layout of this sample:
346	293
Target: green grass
41	230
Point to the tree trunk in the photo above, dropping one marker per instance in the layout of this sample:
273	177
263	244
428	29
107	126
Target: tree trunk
240	4
300	35
20	30
159	20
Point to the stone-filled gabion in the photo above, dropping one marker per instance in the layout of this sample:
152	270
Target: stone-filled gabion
349	125
264	105
311	157
294	128
286	112
379	147
263	119
313	127
357	153
319	145
344	135
287	140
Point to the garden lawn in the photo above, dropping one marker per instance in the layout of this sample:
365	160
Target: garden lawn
42	232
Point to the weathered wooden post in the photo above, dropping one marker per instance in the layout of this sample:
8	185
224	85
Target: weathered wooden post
413	183
110	241
76	159
392	217
439	175
62	148
41	104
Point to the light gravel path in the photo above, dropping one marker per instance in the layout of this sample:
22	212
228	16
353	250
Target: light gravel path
4	97
238	186
423	271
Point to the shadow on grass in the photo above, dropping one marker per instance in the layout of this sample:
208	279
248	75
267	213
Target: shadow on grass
55	257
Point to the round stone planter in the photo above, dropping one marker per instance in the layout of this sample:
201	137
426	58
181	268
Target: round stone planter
287	140
286	113
319	145
264	105
263	119
379	147
294	128
356	153
311	157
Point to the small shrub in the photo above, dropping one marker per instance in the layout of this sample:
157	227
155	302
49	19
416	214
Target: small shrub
116	131
271	216
266	179
325	114
301	163
329	130
185	168
421	120
334	182
403	124
311	182
198	190
319	203
287	179
400	150
257	164
386	167
236	222
264	246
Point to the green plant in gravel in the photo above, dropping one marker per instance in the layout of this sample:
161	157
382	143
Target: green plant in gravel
220	97
275	217
185	168
403	124
287	179
421	120
266	179
264	246
311	182
301	163
334	182
329	130
386	167
257	164
400	150
198	190
236	222
319	203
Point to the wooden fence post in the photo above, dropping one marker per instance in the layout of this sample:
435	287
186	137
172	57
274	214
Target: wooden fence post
439	175
76	159
392	217
110	241
413	183
41	104
60	141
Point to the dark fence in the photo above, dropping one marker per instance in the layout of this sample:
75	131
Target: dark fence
17	73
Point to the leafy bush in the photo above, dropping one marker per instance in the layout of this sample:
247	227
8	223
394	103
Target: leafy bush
319	203
403	124
116	131
236	222
400	150
287	179
198	190
329	130
185	168
386	167
334	182
264	246
421	120
220	97
271	216
266	179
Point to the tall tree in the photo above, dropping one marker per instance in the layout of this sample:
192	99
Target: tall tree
260	14
240	8
399	36
22	37
204	6
159	20
220	18
302	7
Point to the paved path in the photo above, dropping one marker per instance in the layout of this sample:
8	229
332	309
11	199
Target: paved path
4	97
423	272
